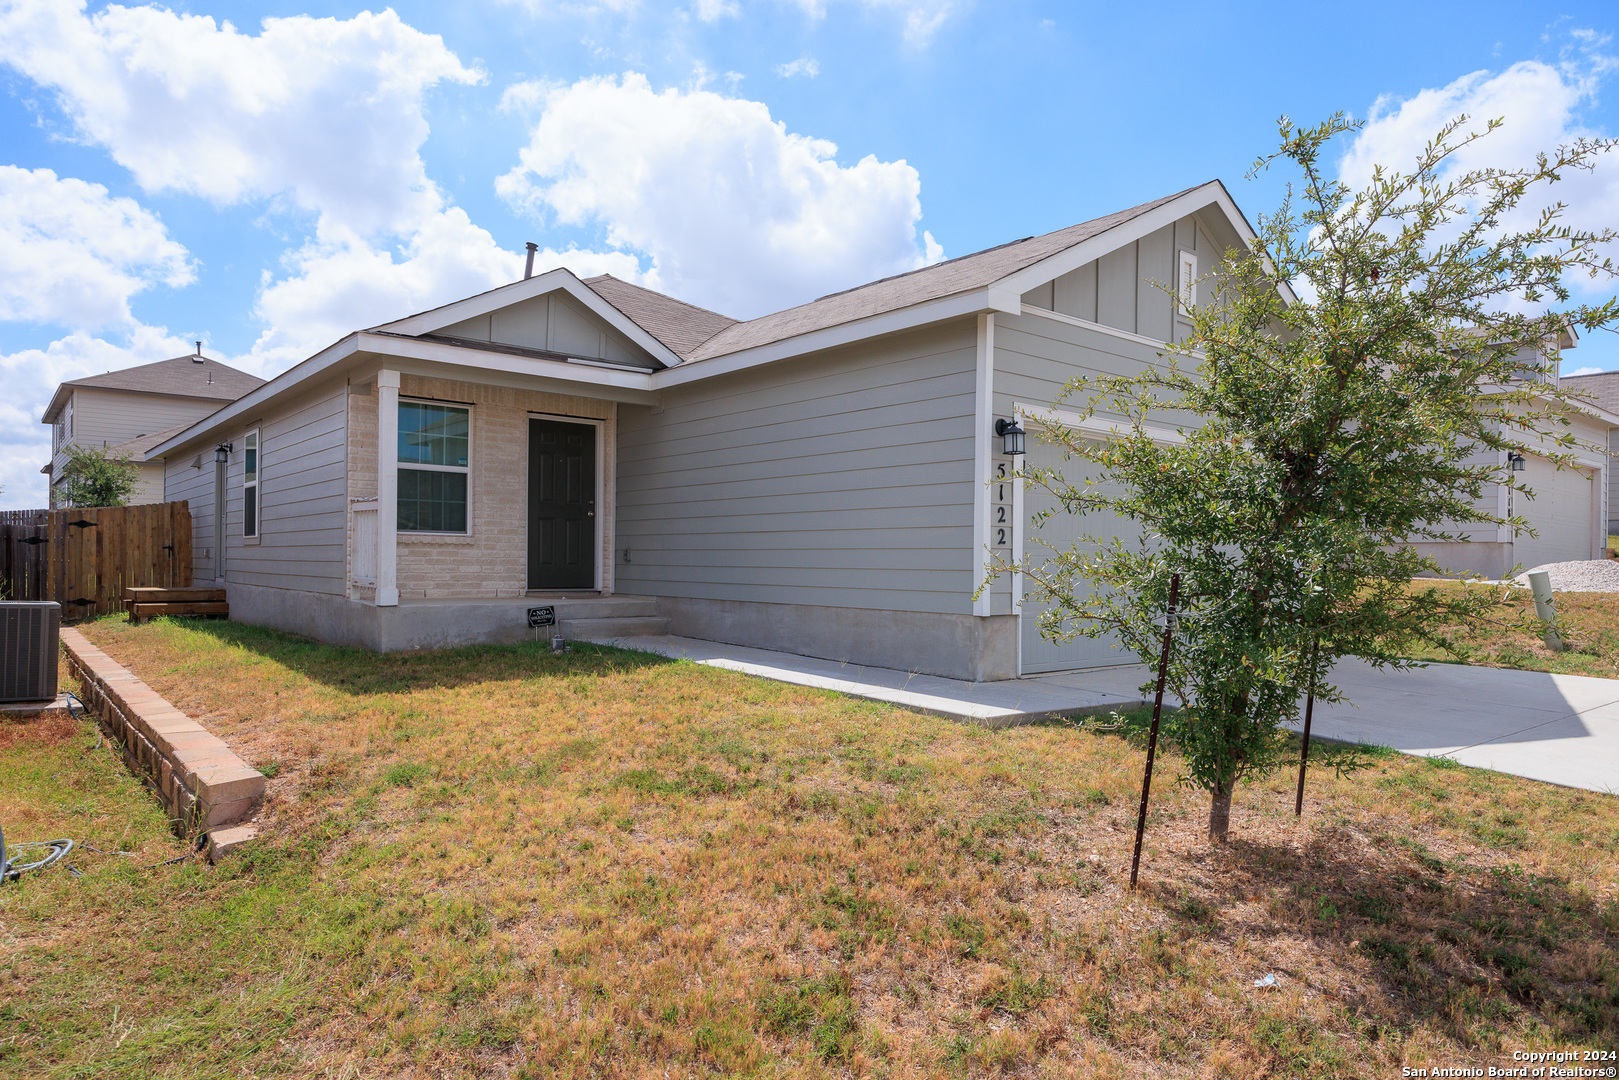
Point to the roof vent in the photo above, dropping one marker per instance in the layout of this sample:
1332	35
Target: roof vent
198	358
528	270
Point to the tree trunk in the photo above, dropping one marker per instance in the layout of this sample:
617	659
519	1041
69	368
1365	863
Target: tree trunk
1220	814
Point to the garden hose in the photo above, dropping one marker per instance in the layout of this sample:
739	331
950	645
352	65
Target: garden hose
10	871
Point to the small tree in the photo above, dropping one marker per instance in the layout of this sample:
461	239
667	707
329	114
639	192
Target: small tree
1374	410
93	477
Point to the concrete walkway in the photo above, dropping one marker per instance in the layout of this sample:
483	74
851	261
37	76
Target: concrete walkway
1559	728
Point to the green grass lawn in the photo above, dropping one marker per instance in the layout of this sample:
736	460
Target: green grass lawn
1512	637
498	862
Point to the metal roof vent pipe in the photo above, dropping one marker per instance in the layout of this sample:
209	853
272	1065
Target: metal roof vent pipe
528	270
198	358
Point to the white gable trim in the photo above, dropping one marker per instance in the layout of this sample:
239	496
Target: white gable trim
1055	266
561	279
317	365
889	322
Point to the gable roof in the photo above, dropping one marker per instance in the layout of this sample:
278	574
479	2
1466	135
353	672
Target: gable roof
677	333
428	322
679	325
182	376
947	278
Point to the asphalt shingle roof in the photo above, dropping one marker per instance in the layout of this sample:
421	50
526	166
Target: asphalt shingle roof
136	449
182	376
679	325
1603	388
918	286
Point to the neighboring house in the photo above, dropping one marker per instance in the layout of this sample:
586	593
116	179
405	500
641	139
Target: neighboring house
1570	509
1602	392
817	480
130	411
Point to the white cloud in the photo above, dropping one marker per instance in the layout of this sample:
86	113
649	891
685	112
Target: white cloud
32	375
804	65
714	10
72	255
341	283
733	211
921	18
319	115
1540	104
327	112
1582	371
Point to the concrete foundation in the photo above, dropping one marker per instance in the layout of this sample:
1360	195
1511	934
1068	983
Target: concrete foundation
969	647
427	624
953	646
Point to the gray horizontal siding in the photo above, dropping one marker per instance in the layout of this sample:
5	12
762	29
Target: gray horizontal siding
303	500
196	487
843	479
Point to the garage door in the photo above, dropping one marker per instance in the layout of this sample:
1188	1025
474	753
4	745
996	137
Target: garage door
1561	512
1061	531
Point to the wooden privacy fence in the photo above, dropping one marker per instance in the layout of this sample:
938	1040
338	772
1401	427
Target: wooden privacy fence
84	558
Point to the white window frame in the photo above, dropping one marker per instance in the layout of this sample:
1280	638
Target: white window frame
466	469
250	488
1186	282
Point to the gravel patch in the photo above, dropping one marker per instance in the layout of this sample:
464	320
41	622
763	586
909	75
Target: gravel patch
1593	575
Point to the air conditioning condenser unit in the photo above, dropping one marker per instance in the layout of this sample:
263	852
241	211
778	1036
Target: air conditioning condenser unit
29	631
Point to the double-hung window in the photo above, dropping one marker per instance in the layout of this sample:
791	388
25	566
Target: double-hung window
250	484
434	447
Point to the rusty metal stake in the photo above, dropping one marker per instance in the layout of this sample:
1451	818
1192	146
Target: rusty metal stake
1309	706
1152	739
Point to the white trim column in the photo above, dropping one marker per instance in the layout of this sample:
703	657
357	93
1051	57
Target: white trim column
387	488
983	432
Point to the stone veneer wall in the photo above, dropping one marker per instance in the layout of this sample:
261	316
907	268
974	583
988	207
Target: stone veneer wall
200	780
492	560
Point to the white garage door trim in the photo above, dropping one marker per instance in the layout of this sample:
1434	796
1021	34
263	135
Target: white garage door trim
1094	426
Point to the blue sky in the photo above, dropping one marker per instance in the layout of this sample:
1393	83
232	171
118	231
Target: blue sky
269	186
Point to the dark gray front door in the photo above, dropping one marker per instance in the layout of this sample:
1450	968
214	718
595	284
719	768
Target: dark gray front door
561	505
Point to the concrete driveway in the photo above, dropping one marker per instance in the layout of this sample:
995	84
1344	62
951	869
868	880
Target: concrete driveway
1559	728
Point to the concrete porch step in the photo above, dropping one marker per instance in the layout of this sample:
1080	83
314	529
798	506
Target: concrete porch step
606	630
575	608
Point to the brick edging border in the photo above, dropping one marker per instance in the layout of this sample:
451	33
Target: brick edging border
198	778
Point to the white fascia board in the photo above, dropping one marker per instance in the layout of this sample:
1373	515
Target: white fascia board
551	281
1055	266
889	322
1099	427
584	376
320	364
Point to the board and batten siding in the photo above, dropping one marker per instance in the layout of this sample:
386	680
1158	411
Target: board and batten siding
842	479
303	500
1130	287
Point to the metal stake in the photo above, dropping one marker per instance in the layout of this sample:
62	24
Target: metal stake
1152	739
1309	706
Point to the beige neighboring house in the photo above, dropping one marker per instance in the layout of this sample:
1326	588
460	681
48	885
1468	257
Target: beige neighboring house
1603	393
131	411
1571	508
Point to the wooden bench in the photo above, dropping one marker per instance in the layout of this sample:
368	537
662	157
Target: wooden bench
144	603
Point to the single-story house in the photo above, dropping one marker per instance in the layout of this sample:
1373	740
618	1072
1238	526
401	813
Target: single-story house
1570	508
1602	393
817	480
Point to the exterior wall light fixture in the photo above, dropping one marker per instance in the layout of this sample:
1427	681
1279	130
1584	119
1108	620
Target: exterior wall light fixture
1516	461
1011	437
222	453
